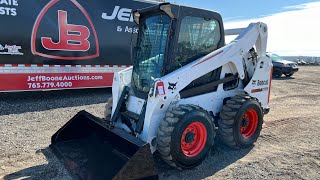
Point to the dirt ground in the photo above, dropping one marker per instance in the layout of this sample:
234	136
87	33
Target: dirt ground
288	148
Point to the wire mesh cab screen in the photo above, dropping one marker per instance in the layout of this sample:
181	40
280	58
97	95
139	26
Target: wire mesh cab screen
150	51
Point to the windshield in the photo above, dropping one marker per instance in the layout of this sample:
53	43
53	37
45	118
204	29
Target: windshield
150	51
276	58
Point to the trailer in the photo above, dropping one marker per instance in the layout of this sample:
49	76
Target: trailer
64	44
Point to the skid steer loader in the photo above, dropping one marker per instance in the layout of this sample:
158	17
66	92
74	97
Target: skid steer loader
186	85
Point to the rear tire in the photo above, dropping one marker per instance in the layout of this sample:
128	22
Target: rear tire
108	109
240	121
185	136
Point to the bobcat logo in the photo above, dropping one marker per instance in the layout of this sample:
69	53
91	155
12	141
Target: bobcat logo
254	83
173	86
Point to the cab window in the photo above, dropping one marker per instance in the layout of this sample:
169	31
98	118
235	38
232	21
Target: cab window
197	37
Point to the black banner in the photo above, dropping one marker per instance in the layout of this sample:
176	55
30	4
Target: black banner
80	32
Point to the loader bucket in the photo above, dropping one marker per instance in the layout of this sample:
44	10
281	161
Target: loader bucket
91	150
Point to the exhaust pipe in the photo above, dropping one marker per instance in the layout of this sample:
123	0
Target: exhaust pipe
91	149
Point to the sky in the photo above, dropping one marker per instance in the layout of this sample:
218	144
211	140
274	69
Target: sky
294	25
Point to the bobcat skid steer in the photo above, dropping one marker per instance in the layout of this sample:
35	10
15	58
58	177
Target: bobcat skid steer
186	85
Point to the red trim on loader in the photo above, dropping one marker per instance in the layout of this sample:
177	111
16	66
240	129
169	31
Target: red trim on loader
193	139
250	123
256	90
208	58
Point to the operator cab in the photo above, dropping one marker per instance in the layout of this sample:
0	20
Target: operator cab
170	37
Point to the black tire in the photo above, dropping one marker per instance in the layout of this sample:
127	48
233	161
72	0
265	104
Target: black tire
277	73
108	109
171	131
289	75
232	120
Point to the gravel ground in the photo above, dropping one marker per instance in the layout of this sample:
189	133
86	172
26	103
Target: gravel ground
289	146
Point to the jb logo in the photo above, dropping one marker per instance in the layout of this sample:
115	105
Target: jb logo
64	30
71	37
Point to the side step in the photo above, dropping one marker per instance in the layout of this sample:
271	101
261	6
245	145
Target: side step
91	149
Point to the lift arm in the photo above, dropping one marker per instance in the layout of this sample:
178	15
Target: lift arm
254	34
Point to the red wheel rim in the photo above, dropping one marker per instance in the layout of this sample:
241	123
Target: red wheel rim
249	123
193	139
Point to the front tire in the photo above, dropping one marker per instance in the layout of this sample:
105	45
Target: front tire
240	121
185	136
